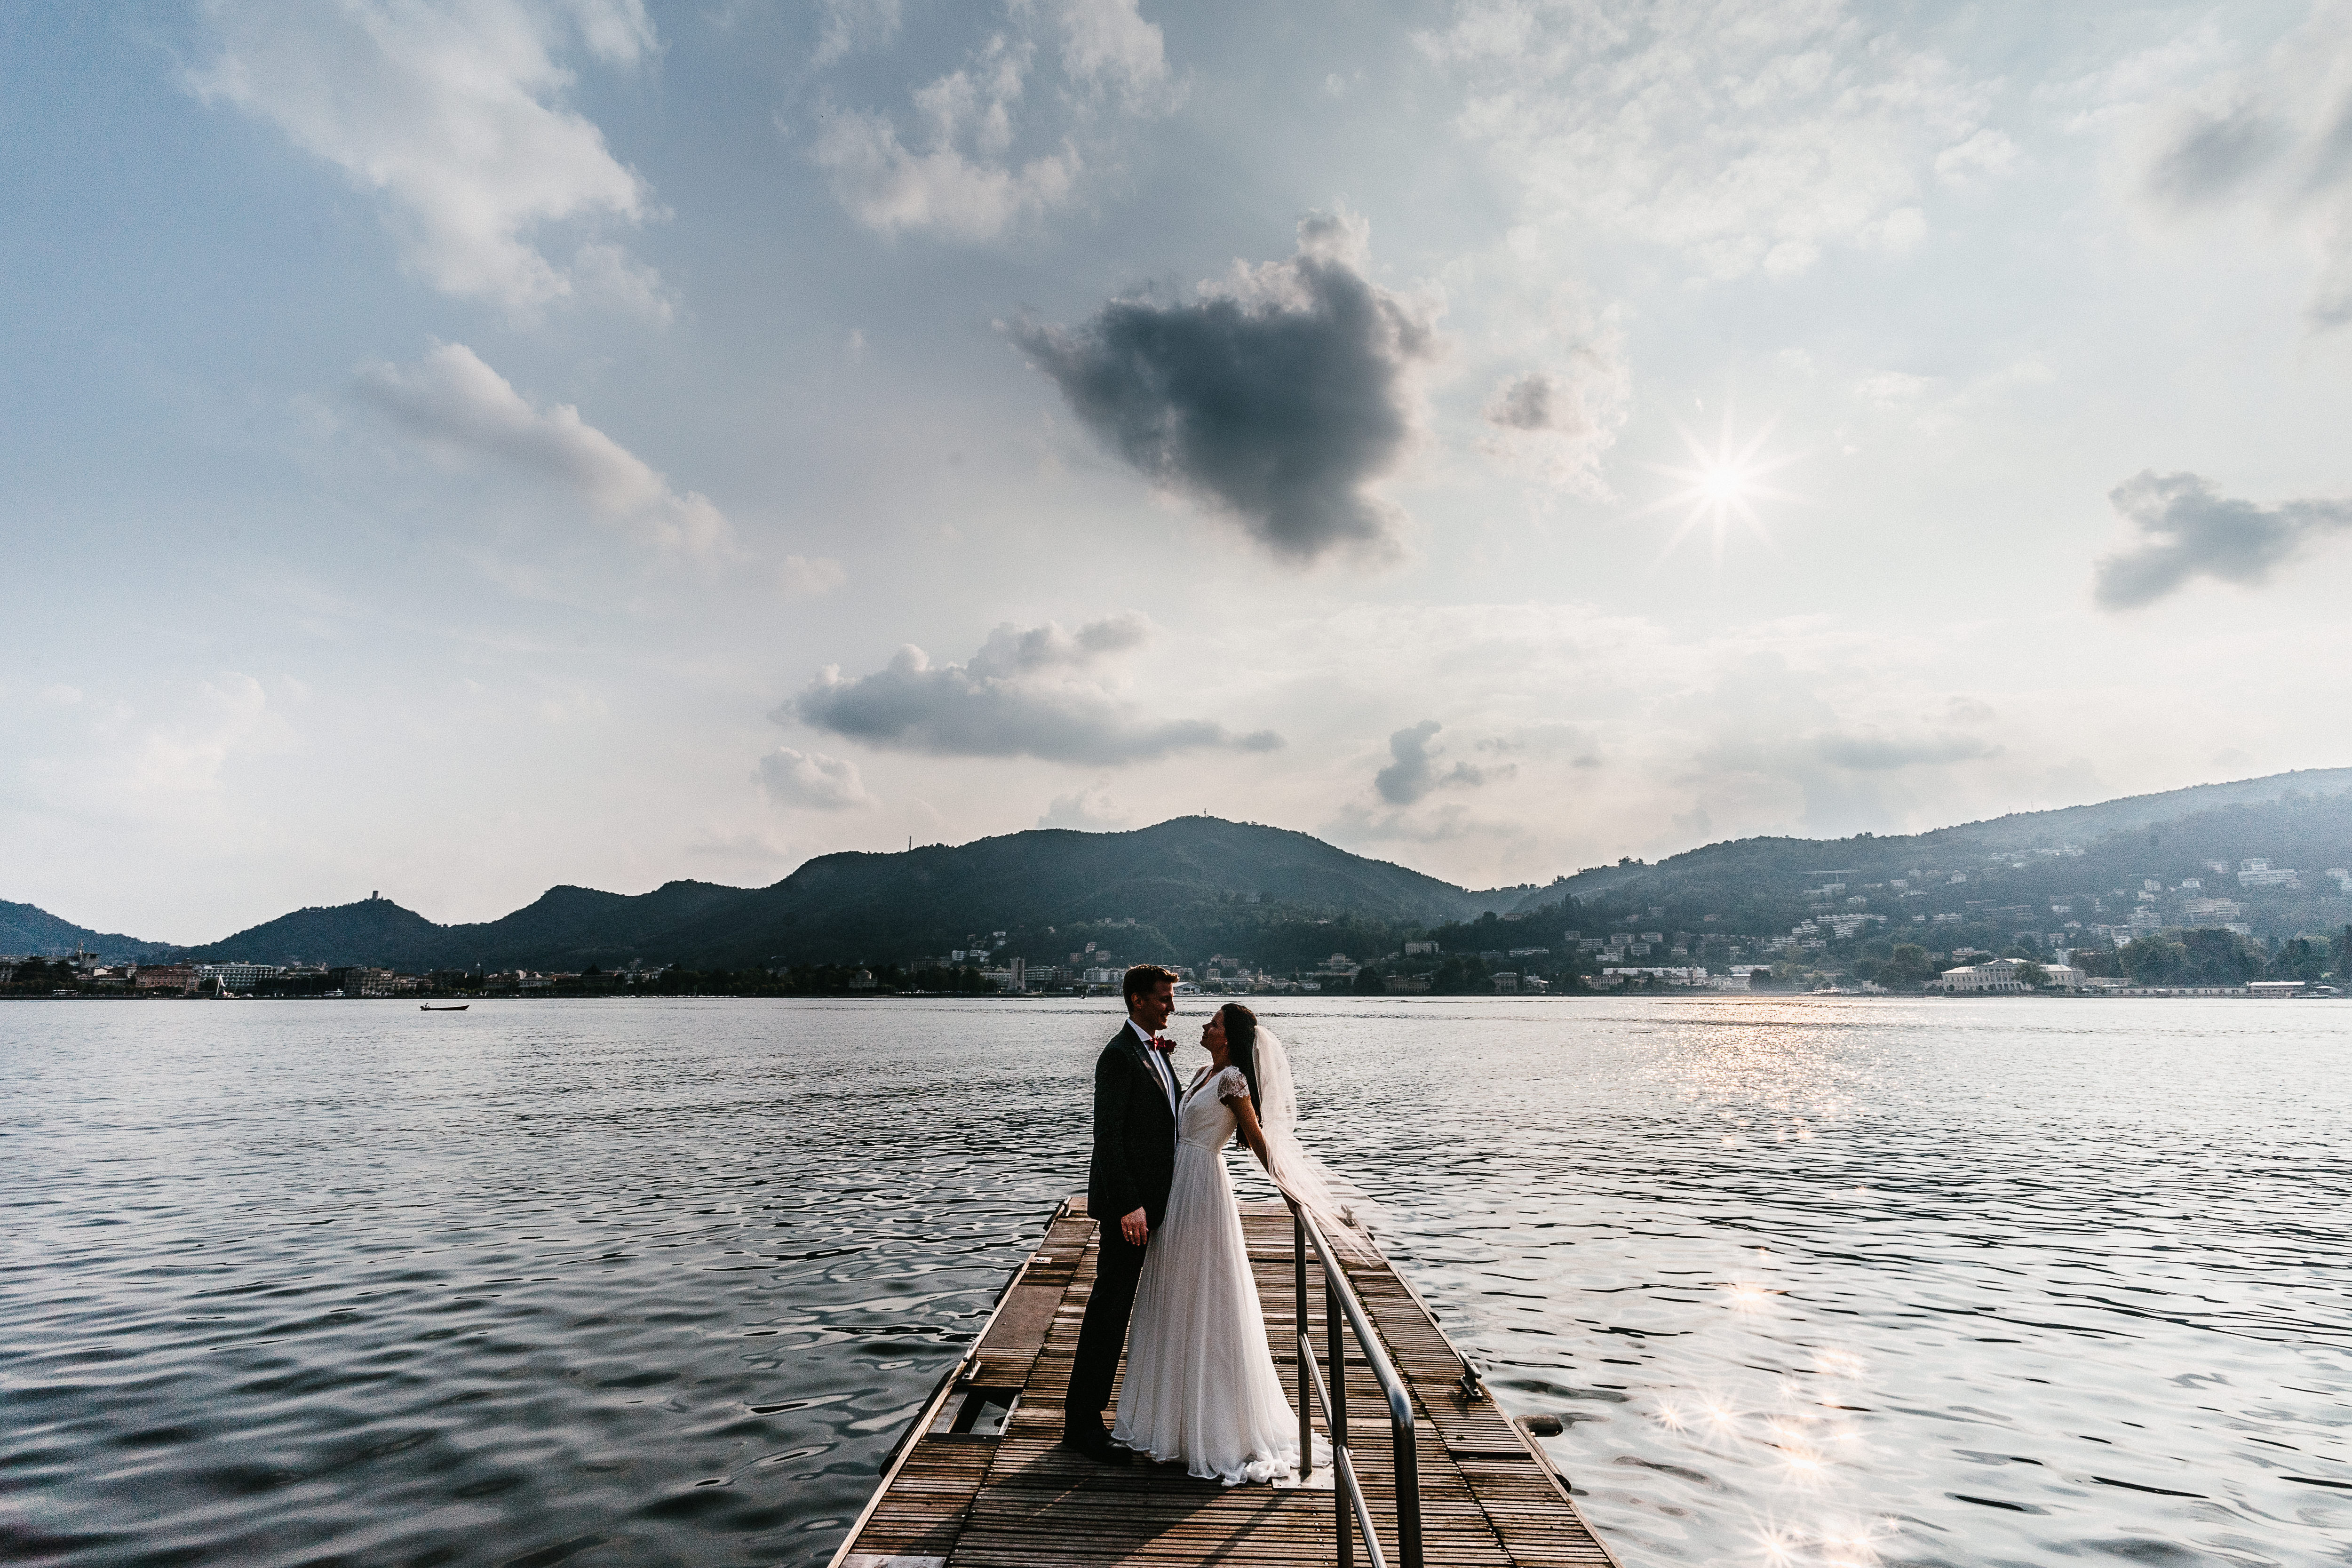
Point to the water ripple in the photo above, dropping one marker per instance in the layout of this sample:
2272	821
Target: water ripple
655	1282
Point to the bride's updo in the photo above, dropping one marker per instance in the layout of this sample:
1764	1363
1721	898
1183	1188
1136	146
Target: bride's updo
1241	1042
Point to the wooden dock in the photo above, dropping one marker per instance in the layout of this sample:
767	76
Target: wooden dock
980	1483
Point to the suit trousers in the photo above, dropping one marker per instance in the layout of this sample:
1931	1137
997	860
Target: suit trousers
1102	1332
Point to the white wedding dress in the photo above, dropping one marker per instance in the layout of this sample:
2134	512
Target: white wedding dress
1200	1387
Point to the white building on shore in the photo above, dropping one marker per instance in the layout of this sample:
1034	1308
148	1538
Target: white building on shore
2003	975
238	976
1673	974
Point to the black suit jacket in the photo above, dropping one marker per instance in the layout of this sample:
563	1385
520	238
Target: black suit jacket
1134	1136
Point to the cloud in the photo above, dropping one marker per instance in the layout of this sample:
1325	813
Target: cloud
1749	137
813	780
850	24
2208	155
1279	397
1559	421
2120	89
1033	692
1549	741
185	756
747	848
1531	401
1414	771
2277	136
1107	45
1512	841
1617	724
810	576
1894	390
1089	810
2187	529
188	753
1871	751
957	175
461	410
1049	647
453	114
942	188
1987	155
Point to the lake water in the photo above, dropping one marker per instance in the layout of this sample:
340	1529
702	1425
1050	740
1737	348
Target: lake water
1812	1280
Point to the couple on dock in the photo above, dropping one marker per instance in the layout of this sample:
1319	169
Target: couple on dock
1201	1388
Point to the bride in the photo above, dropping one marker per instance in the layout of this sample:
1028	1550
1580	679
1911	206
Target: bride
1201	1388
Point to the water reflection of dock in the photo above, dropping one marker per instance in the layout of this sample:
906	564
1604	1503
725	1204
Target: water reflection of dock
980	1481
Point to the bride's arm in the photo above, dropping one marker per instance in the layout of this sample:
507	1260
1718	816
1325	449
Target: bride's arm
1245	1116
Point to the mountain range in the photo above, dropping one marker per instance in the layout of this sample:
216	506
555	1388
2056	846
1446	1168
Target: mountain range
2301	819
1148	888
1184	888
26	929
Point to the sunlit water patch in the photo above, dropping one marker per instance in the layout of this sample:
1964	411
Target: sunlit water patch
640	1282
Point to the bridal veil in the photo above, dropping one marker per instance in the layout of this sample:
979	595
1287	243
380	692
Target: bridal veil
1340	1208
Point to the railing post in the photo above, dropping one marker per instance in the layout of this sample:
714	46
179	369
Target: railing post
1298	1297
1408	1490
1336	1416
1339	1303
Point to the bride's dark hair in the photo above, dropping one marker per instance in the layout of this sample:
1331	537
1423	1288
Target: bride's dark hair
1241	1042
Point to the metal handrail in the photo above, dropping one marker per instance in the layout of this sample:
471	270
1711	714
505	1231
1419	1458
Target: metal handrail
1340	1302
1343	1470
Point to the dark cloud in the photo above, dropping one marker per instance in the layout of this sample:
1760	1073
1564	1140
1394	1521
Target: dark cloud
1416	770
1537	402
1026	693
2275	138
1872	752
2185	531
1278	399
2210	156
2331	163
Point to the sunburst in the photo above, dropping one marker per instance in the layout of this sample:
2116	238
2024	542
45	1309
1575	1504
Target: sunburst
1721	486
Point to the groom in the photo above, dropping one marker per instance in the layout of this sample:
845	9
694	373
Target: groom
1127	1192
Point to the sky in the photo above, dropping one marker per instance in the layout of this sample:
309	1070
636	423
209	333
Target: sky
455	449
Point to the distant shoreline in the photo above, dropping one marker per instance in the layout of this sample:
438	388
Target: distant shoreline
2131	994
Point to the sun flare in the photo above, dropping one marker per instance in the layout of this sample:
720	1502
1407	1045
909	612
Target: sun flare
1722	485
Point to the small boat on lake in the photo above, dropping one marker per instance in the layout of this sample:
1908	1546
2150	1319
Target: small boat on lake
453	1007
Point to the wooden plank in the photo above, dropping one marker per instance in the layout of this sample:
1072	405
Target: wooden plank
1489	1498
928	1487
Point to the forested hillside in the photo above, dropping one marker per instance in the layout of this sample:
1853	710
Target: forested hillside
1199	888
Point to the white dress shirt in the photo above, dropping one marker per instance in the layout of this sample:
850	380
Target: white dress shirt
1160	1064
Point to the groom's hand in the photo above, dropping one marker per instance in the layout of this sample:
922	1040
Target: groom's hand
1135	1228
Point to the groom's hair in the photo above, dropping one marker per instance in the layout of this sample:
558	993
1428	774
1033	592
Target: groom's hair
1143	979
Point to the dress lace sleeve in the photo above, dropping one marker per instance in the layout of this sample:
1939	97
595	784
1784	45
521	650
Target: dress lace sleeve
1232	1085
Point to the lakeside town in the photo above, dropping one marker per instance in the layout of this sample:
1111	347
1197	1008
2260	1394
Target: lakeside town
82	975
2178	897
2174	939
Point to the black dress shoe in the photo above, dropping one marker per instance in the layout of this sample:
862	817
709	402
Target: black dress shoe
1096	1445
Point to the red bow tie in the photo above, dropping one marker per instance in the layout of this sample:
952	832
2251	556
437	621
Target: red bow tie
1161	1044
